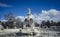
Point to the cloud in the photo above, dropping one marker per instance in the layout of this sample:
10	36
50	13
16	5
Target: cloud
4	5
21	17
3	20
51	14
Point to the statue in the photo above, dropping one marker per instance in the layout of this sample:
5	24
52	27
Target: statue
29	11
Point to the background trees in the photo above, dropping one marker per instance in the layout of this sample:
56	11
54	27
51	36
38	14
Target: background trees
43	23
50	23
58	23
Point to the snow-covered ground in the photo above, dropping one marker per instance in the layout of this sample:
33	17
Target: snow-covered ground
8	31
43	32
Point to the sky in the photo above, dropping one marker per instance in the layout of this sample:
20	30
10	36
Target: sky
19	7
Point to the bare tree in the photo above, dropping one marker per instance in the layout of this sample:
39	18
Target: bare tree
19	23
10	19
